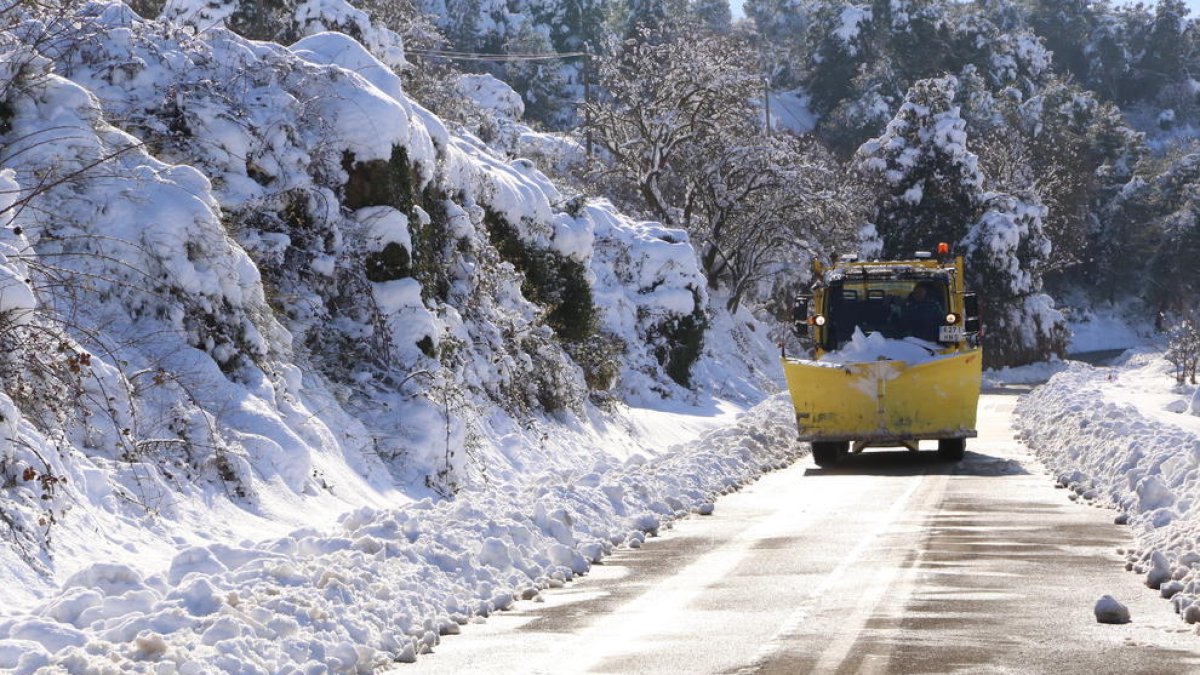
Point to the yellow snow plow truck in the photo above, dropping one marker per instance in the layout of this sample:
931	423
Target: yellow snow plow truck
893	357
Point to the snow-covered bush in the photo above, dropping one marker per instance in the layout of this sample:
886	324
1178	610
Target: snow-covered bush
285	21
290	279
1006	251
1183	350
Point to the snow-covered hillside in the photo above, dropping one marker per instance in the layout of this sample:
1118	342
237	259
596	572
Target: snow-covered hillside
278	343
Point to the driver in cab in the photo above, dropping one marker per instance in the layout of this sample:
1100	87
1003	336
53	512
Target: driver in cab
922	313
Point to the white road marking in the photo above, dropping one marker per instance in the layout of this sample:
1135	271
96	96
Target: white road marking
656	609
837	651
880	586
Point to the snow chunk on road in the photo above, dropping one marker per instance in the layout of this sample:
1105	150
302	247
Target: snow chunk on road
1108	610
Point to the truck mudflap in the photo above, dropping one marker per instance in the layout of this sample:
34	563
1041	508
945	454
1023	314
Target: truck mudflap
886	401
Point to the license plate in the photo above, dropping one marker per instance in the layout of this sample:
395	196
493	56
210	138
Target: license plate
950	334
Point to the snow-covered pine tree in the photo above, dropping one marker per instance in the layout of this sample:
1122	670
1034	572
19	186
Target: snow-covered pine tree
841	42
1164	51
918	36
1067	26
930	188
1006	251
541	84
1174	277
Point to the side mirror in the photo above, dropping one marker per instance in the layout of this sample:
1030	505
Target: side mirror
971	313
800	315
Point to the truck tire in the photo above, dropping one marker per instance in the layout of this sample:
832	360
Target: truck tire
951	449
827	454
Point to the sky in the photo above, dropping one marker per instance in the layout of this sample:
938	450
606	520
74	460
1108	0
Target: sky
736	6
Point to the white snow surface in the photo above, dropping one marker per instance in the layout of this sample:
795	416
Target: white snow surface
865	348
490	93
792	110
382	584
1103	328
1110	436
1033	373
224	448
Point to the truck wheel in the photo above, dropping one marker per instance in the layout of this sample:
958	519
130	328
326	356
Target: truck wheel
827	454
951	449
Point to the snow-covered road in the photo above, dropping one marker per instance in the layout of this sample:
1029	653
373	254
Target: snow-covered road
886	565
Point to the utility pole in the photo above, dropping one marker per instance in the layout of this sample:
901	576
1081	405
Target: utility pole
587	99
767	100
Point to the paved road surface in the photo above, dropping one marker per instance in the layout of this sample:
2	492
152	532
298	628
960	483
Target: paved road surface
892	564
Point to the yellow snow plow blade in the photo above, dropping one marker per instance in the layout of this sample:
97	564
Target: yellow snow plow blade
886	401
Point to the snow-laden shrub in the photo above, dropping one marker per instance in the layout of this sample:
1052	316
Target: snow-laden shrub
371	225
1006	250
129	325
285	284
286	21
1183	350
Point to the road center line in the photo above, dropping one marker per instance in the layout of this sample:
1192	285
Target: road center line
885	585
780	639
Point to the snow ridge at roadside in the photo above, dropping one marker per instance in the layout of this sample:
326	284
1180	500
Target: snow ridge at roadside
385	583
1097	430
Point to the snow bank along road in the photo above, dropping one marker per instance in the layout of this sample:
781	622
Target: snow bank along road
890	564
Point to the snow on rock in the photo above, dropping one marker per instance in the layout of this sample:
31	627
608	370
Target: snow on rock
1107	436
489	93
1109	610
865	348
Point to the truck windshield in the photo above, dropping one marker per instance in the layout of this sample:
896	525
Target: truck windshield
897	308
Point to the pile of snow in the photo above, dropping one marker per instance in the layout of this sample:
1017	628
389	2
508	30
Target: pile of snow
1107	434
1101	329
384	583
1033	373
866	348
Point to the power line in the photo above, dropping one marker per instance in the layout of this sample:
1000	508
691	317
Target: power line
556	56
476	56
